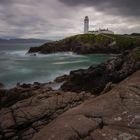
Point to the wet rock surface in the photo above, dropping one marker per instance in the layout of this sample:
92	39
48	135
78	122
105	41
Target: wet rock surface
95	78
112	116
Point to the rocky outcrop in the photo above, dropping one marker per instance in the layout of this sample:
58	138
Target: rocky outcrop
32	109
95	78
9	97
112	116
61	79
89	43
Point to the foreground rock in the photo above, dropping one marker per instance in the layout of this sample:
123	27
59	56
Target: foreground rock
27	108
89	43
94	79
9	97
112	116
35	109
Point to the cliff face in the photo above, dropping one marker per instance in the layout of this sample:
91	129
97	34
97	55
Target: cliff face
89	43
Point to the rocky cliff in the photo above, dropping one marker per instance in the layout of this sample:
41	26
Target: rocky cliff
89	43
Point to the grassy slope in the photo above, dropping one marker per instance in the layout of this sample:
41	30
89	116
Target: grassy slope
121	40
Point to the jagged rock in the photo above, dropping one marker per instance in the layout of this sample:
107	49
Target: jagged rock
108	87
95	78
111	116
61	79
26	117
21	92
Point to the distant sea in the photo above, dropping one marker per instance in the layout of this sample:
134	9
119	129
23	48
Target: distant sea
18	66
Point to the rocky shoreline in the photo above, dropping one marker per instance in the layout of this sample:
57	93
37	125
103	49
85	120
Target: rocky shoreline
100	103
89	44
95	78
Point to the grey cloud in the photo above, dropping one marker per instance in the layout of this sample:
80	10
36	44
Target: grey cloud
60	18
33	18
121	7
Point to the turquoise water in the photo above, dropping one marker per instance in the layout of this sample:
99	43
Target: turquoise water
18	66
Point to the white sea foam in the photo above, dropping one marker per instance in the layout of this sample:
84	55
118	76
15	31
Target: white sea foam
69	62
21	53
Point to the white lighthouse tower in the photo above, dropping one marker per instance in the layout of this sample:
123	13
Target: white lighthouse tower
86	25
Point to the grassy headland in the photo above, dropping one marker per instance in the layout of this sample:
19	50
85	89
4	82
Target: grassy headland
90	43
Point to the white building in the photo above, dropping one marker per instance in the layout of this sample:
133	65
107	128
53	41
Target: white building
86	25
100	31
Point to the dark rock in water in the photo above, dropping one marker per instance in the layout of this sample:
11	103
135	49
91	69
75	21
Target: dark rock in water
61	79
25	85
112	116
1	85
94	79
34	49
34	54
89	43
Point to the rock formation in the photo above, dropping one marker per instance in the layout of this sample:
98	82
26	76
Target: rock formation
89	43
95	78
112	116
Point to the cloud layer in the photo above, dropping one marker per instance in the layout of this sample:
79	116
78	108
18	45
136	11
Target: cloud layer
59	18
122	7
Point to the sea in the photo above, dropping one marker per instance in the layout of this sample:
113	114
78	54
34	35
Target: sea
17	66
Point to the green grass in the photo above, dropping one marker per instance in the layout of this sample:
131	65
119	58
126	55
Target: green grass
123	42
136	54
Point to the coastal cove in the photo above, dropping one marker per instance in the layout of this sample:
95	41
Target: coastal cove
18	66
69	70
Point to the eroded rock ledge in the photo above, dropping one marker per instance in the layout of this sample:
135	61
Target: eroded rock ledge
112	116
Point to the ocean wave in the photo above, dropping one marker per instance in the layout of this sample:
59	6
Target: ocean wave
18	53
69	62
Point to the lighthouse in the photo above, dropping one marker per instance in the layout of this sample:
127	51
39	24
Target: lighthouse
86	25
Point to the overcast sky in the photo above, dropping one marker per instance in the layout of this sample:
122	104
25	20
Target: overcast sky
54	19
